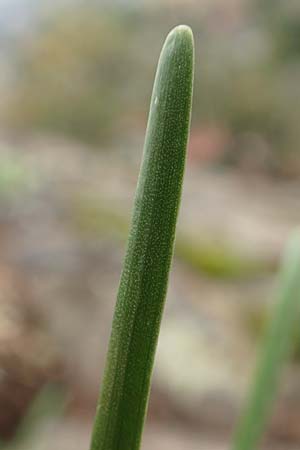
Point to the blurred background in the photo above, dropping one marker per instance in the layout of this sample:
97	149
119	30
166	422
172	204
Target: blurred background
75	85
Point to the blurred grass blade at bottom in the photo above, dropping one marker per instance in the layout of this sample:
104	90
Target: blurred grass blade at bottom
274	351
48	405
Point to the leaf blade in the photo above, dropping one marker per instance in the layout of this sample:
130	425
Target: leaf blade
143	285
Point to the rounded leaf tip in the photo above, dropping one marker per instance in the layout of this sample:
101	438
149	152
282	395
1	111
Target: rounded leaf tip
182	30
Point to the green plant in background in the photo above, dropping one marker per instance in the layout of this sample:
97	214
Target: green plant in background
49	404
13	177
60	77
125	390
278	341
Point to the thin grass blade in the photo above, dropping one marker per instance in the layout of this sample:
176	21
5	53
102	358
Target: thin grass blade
275	350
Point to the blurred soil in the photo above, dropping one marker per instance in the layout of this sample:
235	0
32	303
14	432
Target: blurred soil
63	219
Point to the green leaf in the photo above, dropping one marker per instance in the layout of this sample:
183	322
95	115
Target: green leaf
275	349
125	390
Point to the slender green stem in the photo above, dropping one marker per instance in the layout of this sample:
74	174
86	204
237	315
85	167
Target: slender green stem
125	390
277	343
